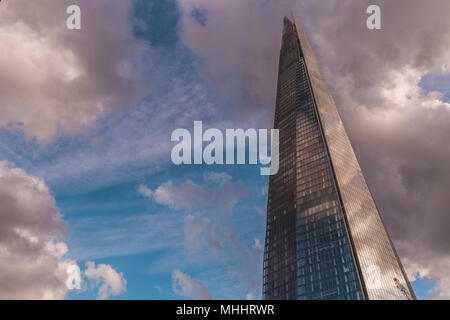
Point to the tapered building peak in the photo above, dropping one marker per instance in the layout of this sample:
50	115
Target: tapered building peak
325	238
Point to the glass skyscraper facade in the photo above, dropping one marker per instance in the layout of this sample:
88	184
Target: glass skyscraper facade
324	235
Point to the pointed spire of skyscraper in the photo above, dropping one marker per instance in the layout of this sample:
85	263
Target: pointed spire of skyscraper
325	238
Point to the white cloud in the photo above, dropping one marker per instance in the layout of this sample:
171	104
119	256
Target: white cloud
110	281
145	191
422	263
199	231
188	195
250	296
188	287
217	177
261	211
257	244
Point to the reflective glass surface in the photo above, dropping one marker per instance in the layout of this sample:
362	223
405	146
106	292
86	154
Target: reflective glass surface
324	236
308	254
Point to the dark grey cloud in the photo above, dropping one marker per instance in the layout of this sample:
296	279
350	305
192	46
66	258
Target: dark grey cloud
31	262
52	77
398	130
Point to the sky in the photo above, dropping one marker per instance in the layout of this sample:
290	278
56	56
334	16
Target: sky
86	118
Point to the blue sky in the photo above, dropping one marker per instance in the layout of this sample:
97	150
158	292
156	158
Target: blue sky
95	175
436	82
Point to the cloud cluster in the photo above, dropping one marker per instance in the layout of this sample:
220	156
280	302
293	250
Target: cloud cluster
423	263
209	228
399	130
188	287
190	195
31	264
53	78
145	191
32	252
235	50
109	280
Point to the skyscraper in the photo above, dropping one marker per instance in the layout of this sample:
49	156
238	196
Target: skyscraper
325	238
